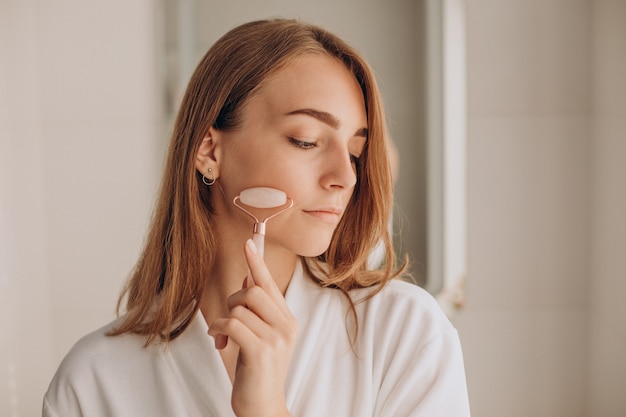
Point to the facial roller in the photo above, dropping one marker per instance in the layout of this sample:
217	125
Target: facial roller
262	198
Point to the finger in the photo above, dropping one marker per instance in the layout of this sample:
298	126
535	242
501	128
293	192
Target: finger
259	302
221	341
255	338
260	274
248	318
264	279
236	330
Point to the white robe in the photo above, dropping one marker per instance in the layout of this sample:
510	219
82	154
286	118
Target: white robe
407	361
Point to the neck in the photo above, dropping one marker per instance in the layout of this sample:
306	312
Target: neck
230	270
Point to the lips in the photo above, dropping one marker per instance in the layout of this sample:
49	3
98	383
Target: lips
327	214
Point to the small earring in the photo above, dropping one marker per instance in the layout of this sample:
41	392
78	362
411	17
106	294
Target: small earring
211	180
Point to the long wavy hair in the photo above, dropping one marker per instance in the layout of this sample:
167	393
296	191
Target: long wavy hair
163	292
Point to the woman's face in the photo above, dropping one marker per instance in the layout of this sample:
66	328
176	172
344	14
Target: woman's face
301	133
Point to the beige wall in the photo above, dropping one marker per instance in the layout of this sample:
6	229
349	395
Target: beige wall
607	281
545	326
79	156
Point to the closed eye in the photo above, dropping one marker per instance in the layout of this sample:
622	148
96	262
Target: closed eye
302	144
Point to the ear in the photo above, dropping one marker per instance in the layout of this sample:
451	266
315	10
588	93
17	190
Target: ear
209	153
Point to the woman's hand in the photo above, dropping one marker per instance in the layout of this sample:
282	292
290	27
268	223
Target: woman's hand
260	323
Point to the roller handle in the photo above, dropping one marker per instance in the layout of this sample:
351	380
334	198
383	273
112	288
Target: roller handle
259	242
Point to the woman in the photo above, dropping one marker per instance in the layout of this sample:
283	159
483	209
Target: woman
211	327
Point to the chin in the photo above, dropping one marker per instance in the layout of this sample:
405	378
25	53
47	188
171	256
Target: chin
313	249
312	254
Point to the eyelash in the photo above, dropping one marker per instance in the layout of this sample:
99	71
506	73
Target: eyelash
302	144
310	145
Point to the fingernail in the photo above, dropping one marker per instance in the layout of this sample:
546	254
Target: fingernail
251	246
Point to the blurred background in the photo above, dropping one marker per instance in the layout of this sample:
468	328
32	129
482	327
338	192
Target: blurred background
87	91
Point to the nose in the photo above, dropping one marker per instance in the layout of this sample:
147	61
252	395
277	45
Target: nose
339	170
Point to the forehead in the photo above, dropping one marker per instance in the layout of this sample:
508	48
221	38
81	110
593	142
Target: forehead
316	81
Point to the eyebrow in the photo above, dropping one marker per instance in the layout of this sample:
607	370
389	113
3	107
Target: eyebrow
327	119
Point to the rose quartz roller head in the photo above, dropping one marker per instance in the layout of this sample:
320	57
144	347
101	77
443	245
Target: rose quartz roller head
262	198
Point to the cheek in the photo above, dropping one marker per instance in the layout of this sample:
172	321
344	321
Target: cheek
264	163
244	170
299	234
283	175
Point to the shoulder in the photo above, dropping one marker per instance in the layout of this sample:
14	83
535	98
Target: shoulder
106	375
411	339
403	311
399	310
98	348
409	294
401	297
96	357
410	342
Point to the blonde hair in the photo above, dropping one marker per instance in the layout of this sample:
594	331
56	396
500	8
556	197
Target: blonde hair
164	289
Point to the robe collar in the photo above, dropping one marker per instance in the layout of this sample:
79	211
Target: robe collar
198	366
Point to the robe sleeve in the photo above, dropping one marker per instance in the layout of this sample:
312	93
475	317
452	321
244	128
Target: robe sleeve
68	411
425	381
422	372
